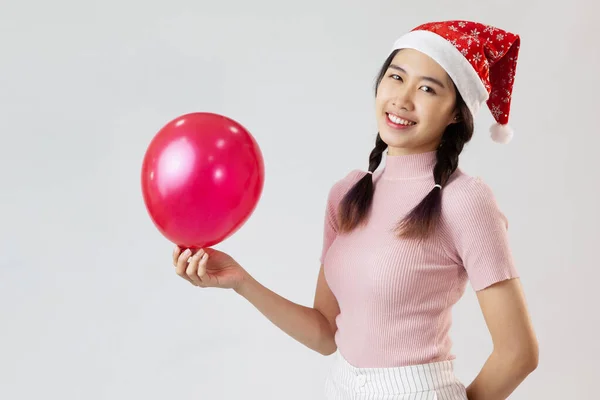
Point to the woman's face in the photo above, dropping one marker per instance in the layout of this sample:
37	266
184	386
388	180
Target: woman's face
415	102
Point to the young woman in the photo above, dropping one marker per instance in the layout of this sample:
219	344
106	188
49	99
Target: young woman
401	244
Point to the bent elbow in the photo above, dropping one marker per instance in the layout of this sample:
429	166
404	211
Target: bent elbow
531	356
332	347
327	346
532	359
328	350
525	359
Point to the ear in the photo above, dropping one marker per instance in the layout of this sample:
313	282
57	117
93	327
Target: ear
455	118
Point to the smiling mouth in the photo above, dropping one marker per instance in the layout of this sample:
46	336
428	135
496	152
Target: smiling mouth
396	121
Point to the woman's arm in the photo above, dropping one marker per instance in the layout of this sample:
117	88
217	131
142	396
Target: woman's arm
313	327
515	353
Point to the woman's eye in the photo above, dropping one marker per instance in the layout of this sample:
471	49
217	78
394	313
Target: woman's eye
399	78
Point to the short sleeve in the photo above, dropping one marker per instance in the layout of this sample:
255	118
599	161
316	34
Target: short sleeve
335	196
330	223
479	231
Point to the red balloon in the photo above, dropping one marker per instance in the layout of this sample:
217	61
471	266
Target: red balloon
202	177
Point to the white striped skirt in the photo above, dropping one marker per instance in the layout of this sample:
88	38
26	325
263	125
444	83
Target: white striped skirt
434	381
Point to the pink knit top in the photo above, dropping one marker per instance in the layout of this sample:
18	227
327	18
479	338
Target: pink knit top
395	295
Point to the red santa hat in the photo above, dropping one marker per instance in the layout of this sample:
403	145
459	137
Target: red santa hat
480	59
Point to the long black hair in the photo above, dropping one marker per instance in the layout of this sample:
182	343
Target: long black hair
423	218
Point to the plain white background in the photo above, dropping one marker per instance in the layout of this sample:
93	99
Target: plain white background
90	307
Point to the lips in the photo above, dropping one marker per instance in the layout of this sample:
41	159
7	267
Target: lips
398	122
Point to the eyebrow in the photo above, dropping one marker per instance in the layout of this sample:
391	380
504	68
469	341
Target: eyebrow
425	78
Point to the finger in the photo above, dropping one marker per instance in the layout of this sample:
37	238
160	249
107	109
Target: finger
202	275
192	269
182	263
176	253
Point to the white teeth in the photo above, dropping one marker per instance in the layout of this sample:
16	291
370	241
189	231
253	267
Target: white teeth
399	121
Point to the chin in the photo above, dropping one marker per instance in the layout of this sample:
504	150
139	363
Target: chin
406	145
394	139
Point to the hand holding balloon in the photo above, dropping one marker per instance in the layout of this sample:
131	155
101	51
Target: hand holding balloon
209	268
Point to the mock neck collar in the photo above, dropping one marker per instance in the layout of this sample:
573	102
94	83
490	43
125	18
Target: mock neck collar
409	166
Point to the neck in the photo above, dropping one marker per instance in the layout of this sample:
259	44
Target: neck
409	166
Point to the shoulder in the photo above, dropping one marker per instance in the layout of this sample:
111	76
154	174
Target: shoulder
342	185
464	184
465	195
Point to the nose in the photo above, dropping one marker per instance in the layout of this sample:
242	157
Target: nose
403	100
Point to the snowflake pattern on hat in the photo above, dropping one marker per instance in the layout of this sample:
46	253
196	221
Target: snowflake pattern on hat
491	51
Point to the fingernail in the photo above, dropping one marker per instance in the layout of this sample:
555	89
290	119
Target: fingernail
187	252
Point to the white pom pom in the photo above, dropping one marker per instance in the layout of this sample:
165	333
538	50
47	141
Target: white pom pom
501	133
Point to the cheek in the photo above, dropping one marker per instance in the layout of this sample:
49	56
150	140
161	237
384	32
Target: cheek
384	96
385	90
380	101
433	111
